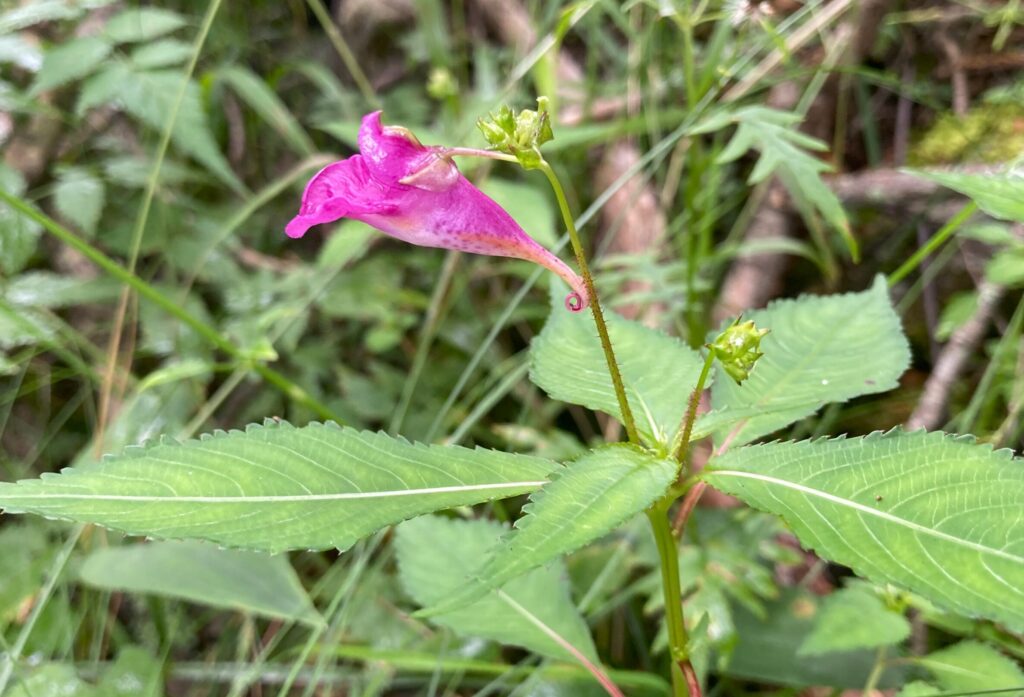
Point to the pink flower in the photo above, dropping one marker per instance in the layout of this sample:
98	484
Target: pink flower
417	194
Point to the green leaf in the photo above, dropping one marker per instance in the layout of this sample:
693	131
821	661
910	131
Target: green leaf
587	499
149	97
659	371
53	680
918	688
255	92
821	349
135	673
25	555
275	487
79	196
1007	267
958	310
19	235
971	665
767	649
48	289
142	24
28	14
854	618
199	572
161	54
24	326
435	557
70	61
1000	194
927	511
18	50
784	152
175	371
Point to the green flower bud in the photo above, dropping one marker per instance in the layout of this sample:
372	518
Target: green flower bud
519	134
493	133
441	84
736	349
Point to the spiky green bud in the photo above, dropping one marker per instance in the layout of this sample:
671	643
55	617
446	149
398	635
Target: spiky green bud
737	348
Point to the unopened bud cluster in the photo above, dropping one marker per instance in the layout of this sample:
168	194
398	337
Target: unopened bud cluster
519	134
737	348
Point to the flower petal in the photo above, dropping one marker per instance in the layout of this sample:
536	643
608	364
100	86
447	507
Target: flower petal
390	153
339	190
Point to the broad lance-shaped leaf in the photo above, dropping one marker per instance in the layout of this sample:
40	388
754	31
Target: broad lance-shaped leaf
202	573
275	487
659	371
587	499
436	554
820	349
933	513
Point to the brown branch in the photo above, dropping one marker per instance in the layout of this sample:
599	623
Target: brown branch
958	76
932	406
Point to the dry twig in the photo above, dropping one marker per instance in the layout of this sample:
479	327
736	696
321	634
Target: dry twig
932	406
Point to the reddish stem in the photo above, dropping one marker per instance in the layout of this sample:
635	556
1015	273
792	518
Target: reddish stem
689	503
692	683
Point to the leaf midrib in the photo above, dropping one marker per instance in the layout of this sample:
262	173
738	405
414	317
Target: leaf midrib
883	515
288	498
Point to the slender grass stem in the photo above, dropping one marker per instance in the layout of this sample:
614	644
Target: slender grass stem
172	307
876	672
426	340
595	304
41	600
139	229
345	53
936	241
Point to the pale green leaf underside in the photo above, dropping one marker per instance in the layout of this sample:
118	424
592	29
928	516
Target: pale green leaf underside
927	511
202	573
820	349
658	370
276	487
589	498
436	555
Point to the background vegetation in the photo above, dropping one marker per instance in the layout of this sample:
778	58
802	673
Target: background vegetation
173	141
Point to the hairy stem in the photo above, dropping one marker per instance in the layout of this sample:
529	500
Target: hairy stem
595	304
683	448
